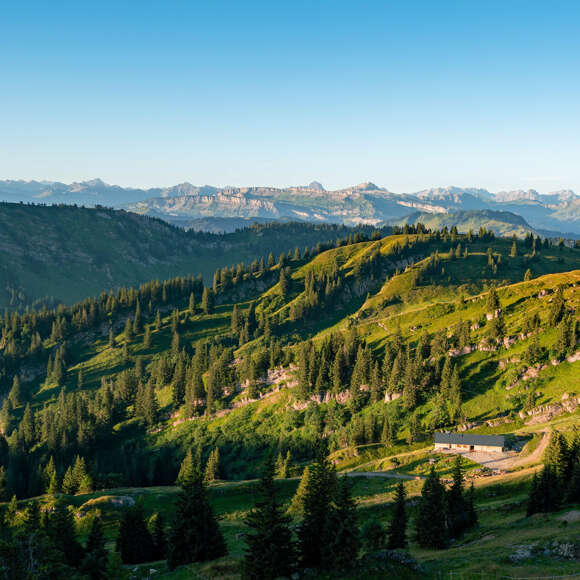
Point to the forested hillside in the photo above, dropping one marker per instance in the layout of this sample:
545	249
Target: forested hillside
51	254
368	344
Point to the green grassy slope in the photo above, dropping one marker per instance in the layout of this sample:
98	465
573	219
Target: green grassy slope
505	542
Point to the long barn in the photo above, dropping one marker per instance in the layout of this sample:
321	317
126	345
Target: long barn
467	442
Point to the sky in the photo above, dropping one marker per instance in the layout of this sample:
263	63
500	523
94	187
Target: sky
408	94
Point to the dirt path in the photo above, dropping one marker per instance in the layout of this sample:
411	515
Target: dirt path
510	460
537	454
386	474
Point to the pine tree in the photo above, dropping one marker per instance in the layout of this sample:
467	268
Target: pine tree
82	480
96	559
456	506
207	301
472	518
186	469
62	533
195	535
315	533
128	330
15	395
50	478
69	485
345	540
157	531
514	249
296	507
398	527
147	337
270	550
3	488
492	303
373	535
284	284
212	468
134	541
431	527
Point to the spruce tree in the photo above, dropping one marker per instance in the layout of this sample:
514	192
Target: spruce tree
398	527
69	485
472	518
157	531
62	533
134	541
344	536
314	532
15	395
195	535
270	550
50	478
212	468
95	562
296	507
373	535
207	301
456	506
430	524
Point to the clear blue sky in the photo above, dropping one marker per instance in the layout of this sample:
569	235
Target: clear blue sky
407	94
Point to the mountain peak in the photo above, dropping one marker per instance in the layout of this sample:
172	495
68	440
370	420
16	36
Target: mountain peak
366	186
316	185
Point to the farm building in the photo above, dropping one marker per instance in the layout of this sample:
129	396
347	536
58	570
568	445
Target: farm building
467	442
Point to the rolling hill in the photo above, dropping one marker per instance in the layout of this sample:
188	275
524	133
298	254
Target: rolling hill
66	253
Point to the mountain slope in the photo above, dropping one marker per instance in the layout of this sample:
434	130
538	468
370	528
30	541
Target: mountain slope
503	223
68	253
364	203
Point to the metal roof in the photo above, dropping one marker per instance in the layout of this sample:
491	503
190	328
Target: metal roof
467	439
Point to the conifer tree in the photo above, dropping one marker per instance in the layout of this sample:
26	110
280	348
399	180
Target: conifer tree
456	507
296	507
398	527
212	468
191	306
270	550
147	336
186	469
345	540
50	477
157	531
95	562
471	511
430	524
207	301
15	395
134	542
82	480
3	487
514	249
195	535
69	485
62	533
372	535
315	533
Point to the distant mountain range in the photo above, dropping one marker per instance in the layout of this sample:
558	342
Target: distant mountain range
223	209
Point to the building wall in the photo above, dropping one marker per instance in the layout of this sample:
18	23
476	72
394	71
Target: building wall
487	448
